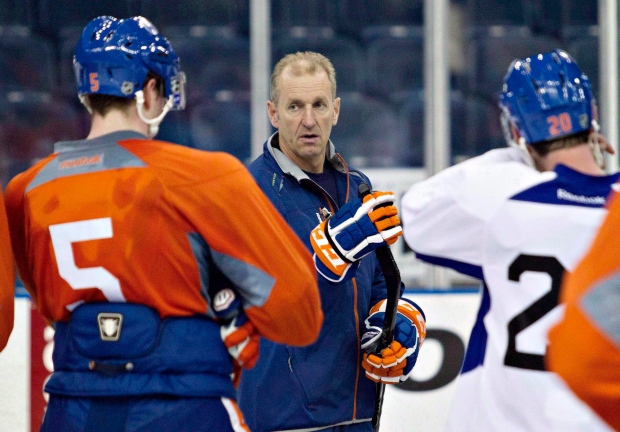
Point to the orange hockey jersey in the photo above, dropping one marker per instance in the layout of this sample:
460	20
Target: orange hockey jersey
585	346
7	280
126	219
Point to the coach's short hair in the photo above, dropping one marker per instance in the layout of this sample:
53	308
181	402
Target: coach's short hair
301	63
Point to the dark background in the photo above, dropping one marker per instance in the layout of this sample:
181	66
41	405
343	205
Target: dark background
375	45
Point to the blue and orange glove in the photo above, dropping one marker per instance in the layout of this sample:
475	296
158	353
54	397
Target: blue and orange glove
358	228
237	332
242	341
395	362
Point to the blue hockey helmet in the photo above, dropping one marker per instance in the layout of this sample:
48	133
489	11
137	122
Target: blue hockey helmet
114	57
545	97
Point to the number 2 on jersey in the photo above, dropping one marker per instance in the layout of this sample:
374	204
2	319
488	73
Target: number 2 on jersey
535	311
81	278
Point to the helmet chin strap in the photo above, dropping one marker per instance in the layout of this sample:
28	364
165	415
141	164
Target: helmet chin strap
83	102
521	145
153	123
595	145
509	136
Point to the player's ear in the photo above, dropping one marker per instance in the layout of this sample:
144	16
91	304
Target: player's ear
151	92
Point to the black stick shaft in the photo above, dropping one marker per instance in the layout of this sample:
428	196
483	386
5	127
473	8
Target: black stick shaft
392	283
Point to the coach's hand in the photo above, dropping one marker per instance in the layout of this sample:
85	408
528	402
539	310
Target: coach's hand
394	363
358	228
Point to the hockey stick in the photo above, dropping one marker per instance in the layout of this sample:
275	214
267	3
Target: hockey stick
392	283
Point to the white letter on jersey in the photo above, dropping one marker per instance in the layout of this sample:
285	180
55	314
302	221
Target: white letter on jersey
80	278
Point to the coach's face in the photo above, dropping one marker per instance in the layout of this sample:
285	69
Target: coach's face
304	116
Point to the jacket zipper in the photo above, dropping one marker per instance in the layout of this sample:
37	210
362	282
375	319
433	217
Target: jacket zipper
359	348
356	315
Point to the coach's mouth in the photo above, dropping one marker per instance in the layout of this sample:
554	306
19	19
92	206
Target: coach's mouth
309	138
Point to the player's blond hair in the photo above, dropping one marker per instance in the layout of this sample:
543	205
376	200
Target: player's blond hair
302	63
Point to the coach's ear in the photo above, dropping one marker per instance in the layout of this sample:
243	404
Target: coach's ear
272	110
336	111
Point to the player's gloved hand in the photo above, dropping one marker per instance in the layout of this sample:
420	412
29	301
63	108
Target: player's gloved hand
242	341
358	228
395	362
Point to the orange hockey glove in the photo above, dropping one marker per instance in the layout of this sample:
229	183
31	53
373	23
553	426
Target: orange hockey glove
358	228
394	363
242	341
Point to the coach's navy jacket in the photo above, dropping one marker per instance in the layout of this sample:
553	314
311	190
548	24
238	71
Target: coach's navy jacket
322	384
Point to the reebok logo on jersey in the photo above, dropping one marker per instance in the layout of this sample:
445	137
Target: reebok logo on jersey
582	199
84	160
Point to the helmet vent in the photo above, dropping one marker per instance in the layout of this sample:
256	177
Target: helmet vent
160	52
562	79
127	45
108	36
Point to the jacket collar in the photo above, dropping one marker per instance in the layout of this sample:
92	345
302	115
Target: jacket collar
107	139
289	167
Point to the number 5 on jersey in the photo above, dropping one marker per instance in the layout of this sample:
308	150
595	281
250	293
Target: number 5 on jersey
63	235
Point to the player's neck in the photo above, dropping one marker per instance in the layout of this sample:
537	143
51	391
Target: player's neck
114	121
579	158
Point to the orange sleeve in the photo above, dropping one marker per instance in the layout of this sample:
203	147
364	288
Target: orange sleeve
579	351
15	212
263	239
7	280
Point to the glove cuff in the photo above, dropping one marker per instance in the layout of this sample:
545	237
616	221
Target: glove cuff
334	264
414	313
333	246
347	272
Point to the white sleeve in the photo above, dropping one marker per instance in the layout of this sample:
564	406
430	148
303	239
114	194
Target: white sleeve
444	217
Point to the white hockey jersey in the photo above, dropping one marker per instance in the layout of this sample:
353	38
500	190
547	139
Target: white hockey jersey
496	219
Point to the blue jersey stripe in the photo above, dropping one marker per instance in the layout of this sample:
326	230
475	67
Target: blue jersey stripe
477	345
461	267
572	188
